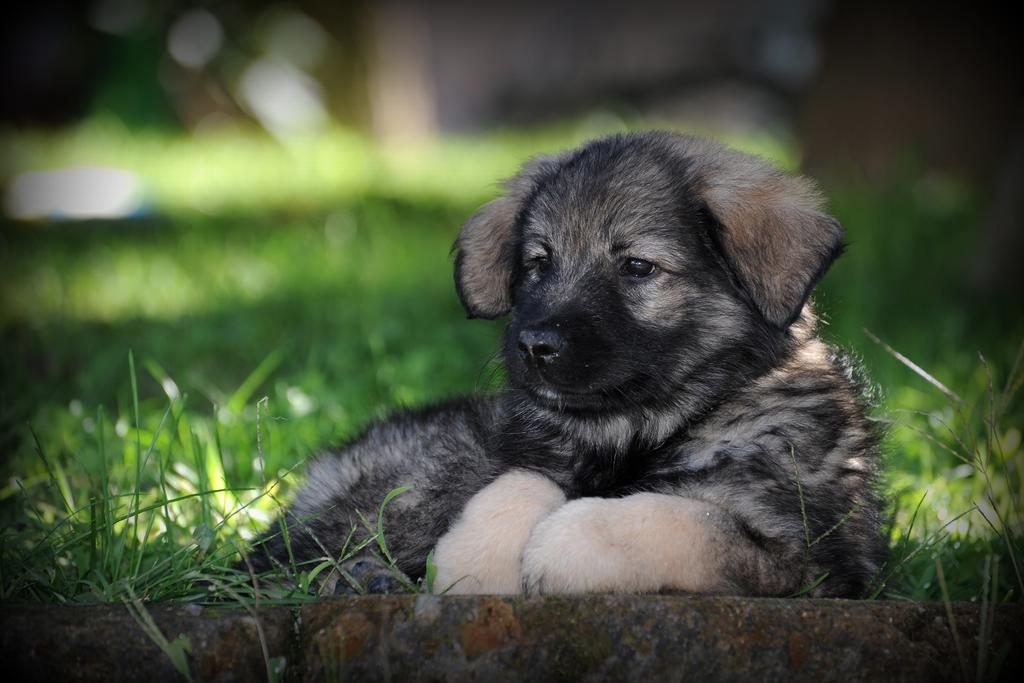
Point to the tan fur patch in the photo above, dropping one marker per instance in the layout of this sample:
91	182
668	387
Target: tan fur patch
485	278
644	542
773	225
481	552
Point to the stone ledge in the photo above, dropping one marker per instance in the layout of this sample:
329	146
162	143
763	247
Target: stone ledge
105	643
610	637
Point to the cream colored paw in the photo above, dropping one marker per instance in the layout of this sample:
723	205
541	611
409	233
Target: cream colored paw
569	551
644	542
481	553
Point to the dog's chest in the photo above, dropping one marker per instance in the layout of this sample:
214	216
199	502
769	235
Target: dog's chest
586	470
611	474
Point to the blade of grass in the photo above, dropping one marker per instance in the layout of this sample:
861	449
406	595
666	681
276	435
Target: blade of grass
68	506
176	651
964	675
811	586
140	548
986	606
105	494
251	383
259	438
917	369
138	450
929	542
391	495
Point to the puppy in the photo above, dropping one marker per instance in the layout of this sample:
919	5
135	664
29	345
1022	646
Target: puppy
671	421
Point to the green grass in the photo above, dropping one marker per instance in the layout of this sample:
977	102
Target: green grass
278	297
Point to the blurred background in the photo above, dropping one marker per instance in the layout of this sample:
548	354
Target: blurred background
257	200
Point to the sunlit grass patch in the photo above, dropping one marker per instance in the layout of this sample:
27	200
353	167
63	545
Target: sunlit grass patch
196	264
957	492
151	509
246	169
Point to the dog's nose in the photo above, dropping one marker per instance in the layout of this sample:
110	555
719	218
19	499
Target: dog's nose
540	346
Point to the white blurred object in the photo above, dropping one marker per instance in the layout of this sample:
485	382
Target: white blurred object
301	403
284	99
195	38
78	192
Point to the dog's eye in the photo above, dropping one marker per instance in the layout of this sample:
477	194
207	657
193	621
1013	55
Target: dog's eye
637	267
540	263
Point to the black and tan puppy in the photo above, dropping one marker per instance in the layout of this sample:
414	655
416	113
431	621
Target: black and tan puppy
671	419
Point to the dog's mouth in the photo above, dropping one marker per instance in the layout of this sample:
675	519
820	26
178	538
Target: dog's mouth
608	394
558	398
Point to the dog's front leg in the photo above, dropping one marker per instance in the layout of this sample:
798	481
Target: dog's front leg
481	552
643	542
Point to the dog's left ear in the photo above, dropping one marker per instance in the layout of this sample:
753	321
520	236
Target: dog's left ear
772	229
485	251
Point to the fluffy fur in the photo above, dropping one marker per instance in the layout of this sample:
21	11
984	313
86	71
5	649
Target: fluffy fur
671	419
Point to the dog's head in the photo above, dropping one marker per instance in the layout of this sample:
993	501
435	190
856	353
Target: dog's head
629	264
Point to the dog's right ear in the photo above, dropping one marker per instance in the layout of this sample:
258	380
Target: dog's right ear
485	259
485	251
